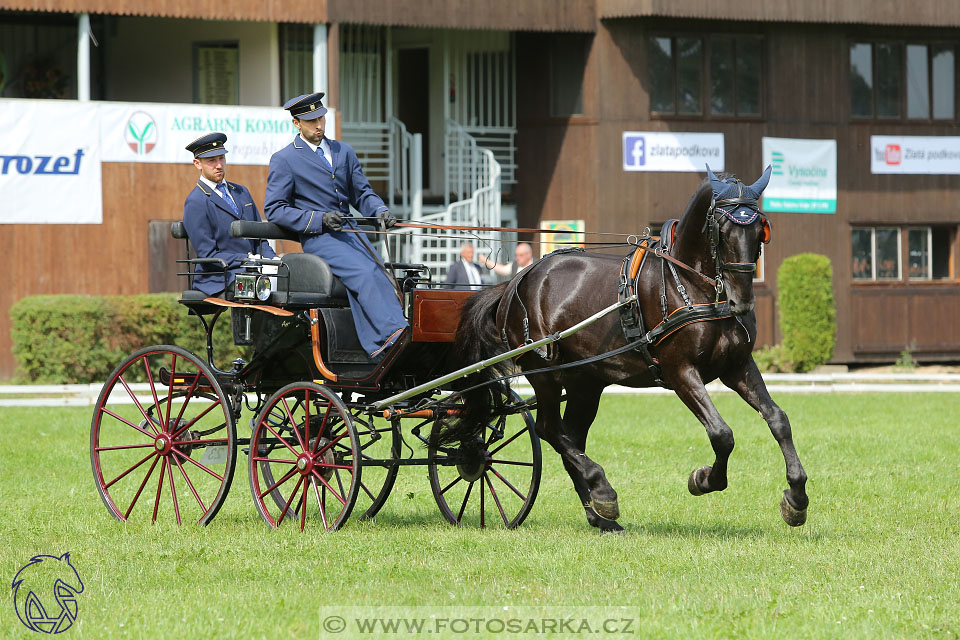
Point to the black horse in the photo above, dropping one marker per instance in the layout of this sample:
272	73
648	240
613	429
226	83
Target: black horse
699	278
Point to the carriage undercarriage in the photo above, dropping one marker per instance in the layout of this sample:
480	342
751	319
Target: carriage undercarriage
322	445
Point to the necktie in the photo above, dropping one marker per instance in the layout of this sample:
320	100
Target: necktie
323	160
222	188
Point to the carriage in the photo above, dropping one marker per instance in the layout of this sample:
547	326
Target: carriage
328	429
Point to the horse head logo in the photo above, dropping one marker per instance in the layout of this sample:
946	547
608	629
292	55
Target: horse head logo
45	593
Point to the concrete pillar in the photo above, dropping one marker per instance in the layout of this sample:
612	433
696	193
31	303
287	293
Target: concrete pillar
320	58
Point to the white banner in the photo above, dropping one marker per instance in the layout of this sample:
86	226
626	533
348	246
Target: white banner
658	151
160	132
804	178
932	155
49	162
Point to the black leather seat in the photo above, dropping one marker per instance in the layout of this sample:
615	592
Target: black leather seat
311	283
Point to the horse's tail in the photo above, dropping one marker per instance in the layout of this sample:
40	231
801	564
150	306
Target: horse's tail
476	340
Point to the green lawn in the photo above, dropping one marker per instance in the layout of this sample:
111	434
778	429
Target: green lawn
878	557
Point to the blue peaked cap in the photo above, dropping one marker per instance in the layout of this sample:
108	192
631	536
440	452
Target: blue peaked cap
730	188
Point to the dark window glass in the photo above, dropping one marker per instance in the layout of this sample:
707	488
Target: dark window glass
749	51
889	70
862	254
940	248
918	82
568	62
662	88
689	75
38	56
941	58
888	253
721	76
918	253
296	59
861	79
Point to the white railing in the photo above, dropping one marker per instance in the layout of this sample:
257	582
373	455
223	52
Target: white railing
502	142
385	152
472	176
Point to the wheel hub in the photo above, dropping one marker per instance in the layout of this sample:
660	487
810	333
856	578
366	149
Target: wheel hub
474	460
305	463
163	444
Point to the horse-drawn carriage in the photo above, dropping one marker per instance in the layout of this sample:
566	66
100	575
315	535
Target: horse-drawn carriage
676	311
319	445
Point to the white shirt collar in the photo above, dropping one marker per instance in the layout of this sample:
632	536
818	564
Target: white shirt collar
213	185
324	144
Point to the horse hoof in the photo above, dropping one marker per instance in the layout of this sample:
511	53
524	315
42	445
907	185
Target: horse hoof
792	516
606	509
692	485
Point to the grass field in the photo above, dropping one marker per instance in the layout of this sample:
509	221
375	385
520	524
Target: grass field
878	557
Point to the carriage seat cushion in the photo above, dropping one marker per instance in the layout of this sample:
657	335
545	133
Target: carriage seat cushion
311	284
193	295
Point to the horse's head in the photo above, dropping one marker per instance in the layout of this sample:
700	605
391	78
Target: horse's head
736	231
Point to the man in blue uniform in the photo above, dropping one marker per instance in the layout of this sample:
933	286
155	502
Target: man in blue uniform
310	187
208	211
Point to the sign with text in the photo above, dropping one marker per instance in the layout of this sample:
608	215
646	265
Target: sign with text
930	155
659	151
160	132
49	175
804	178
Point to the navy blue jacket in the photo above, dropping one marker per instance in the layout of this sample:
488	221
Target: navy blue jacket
207	218
299	188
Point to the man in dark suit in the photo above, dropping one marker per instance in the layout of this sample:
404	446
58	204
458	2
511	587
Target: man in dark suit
310	187
465	273
208	211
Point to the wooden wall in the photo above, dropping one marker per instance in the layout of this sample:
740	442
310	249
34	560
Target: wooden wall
573	168
106	259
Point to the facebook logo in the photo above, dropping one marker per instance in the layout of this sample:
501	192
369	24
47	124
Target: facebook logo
634	151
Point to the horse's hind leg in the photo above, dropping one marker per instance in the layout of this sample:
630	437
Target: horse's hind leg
749	384
690	389
568	436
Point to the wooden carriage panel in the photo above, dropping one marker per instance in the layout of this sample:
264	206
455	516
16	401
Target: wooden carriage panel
436	314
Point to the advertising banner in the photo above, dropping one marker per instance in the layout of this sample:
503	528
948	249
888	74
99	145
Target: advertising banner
804	178
569	233
49	162
659	151
930	155
160	132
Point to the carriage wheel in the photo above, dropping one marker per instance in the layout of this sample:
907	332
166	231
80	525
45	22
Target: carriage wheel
380	441
494	478
305	458
176	426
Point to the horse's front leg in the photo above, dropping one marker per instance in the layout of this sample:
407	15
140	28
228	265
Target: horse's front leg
690	389
749	384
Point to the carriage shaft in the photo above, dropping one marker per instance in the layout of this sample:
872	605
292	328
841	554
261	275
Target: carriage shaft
513	353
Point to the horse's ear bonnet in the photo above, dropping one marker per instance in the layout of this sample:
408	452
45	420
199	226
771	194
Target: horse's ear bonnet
735	192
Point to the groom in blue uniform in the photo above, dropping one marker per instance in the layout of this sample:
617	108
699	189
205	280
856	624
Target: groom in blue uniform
208	211
310	187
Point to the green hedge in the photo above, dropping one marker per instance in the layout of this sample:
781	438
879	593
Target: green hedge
75	339
807	312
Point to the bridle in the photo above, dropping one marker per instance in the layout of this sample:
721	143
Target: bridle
711	226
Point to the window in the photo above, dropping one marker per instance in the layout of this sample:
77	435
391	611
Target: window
38	55
216	73
714	75
568	63
877	252
894	80
296	59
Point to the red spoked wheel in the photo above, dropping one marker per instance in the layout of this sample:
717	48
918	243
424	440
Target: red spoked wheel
494	478
163	415
305	458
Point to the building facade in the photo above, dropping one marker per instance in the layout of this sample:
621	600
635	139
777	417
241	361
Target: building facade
552	87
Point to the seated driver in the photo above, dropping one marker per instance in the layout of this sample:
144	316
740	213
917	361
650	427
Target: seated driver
208	211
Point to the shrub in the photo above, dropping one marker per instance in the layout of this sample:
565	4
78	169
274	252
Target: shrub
75	339
771	360
807	312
